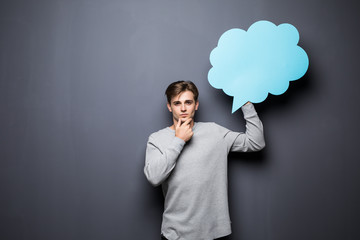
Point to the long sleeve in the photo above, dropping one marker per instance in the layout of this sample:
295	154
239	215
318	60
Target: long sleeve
253	138
161	160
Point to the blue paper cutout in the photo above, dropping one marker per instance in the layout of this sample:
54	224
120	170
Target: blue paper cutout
250	64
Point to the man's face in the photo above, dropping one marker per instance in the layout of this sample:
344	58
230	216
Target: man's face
183	106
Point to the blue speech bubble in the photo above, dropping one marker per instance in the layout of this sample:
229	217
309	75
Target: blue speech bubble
250	64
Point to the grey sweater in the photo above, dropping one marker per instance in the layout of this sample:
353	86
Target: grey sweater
194	175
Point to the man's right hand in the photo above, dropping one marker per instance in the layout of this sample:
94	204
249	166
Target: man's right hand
184	130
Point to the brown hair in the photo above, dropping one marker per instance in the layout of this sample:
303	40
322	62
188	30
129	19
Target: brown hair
178	87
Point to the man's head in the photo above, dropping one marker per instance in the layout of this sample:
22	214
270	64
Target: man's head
182	98
178	87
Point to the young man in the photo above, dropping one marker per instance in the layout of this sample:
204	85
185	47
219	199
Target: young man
189	160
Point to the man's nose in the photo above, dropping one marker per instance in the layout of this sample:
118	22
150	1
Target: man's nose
183	108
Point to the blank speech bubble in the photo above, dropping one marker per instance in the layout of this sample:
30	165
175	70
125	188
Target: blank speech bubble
248	65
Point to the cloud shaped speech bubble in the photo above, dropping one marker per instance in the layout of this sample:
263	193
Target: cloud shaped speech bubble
250	64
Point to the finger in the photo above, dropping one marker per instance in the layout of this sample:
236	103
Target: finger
178	124
191	133
187	122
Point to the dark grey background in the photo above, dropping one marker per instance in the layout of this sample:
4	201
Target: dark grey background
82	86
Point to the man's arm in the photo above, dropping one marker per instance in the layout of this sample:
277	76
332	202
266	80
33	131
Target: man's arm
253	138
160	161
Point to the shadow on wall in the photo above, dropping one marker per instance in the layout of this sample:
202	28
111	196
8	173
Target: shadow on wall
294	93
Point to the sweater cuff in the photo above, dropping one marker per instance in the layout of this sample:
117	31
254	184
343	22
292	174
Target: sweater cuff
178	144
248	109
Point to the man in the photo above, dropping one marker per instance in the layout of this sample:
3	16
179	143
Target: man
189	160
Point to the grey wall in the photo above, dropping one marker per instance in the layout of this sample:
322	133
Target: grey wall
82	86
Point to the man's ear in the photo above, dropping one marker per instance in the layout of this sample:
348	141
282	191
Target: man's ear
196	105
168	106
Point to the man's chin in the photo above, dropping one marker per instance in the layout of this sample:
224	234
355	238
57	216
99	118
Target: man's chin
184	119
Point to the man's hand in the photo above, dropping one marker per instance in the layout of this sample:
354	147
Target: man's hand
184	130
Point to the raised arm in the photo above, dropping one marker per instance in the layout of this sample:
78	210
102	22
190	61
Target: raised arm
161	160
253	138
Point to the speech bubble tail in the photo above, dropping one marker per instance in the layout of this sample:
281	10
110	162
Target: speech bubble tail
237	103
